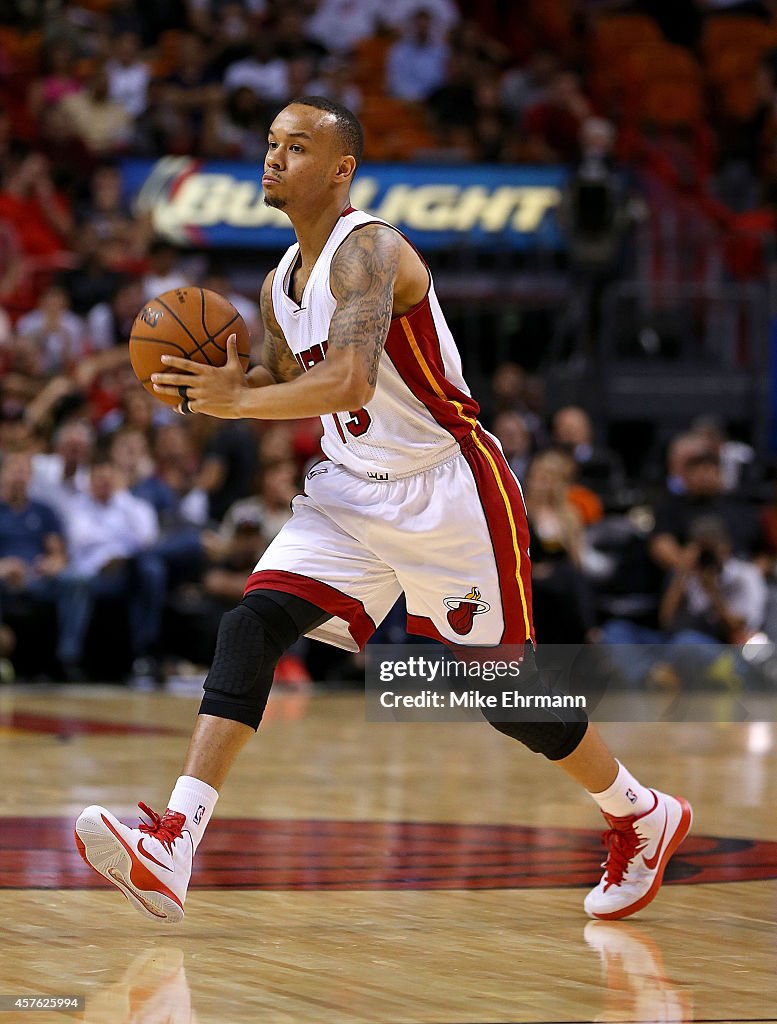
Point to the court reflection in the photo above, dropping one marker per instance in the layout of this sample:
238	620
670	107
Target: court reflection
152	989
637	986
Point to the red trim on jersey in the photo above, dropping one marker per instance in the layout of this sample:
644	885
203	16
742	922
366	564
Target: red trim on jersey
414	348
347	210
516	606
360	625
420	625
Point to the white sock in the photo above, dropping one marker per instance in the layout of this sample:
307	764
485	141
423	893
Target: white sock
196	800
625	796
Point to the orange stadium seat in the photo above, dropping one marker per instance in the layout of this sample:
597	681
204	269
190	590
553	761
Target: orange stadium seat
739	97
619	33
167	47
731	32
370	64
393	129
671	104
621	81
732	63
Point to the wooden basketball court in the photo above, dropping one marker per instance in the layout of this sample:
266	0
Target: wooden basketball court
381	873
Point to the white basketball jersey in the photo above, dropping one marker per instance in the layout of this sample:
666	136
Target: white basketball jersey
421	409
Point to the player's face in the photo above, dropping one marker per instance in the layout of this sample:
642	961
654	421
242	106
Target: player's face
302	157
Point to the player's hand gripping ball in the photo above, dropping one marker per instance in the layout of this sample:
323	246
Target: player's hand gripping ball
190	323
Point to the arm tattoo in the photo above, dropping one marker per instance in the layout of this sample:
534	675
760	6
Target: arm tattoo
276	355
362	278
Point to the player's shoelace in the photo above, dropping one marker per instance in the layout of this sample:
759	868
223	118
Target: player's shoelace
623	842
166	828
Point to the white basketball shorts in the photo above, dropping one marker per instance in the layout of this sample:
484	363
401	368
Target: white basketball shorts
454	538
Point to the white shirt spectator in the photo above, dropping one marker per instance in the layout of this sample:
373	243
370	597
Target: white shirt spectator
415	69
48	481
269	79
444	14
99	532
744	592
340	24
57	347
128	86
158	284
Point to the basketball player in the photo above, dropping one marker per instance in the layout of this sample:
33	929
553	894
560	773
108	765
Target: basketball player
354	334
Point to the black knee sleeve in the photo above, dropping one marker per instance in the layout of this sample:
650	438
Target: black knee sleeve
251	639
554	732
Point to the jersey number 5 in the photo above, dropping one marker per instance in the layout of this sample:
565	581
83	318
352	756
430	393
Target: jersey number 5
358	422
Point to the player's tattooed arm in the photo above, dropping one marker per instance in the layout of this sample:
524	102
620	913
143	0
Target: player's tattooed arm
277	358
362	279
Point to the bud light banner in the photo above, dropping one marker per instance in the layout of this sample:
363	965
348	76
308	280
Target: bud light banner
216	204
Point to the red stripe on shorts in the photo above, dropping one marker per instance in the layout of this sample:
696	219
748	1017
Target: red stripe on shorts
420	625
496	485
360	625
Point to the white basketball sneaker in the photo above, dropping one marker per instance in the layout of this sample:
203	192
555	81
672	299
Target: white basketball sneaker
151	864
638	850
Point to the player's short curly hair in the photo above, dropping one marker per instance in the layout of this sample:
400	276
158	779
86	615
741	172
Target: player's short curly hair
347	123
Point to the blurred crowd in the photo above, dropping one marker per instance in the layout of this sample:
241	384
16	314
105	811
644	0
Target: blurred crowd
125	531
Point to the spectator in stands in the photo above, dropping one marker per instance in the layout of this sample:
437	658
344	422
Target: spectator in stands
516	440
107	212
56	336
712	599
553	125
265	73
181	516
59	80
703	496
109	323
93	280
335	81
41	222
272	505
339	25
292	38
415	64
32	548
178	110
109	533
178	464
561	602
443	15
528	86
100	123
128	74
58	476
598	467
680	449
229	465
510	389
736	457
165	271
237	130
198	608
492	126
453	103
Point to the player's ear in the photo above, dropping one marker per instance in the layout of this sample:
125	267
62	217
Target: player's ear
346	168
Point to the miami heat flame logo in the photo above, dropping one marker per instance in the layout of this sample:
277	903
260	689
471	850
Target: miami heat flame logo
462	611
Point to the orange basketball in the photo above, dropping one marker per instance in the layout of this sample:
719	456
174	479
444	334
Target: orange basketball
193	323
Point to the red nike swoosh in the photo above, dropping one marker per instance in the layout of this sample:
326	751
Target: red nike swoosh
150	856
650	862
